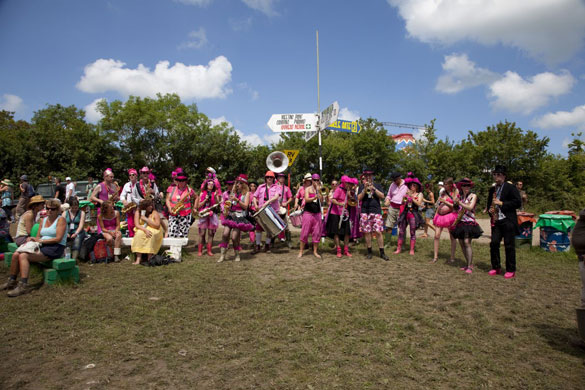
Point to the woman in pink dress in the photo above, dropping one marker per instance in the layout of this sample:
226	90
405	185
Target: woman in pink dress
445	215
466	227
311	222
109	226
208	201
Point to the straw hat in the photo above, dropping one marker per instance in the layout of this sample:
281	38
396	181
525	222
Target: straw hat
35	200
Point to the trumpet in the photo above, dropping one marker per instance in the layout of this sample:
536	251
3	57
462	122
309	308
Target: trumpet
130	206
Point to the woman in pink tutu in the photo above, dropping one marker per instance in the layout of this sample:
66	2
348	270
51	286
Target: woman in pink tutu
208	202
445	217
237	218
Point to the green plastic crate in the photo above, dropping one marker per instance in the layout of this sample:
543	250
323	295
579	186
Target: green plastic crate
53	276
7	259
63	264
12	247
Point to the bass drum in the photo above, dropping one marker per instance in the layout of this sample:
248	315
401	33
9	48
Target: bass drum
296	218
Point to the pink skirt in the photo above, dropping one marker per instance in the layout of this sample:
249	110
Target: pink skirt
444	221
210	222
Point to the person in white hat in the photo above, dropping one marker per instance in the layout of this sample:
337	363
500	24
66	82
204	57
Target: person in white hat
69	189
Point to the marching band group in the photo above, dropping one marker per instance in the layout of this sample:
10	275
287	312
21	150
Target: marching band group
350	210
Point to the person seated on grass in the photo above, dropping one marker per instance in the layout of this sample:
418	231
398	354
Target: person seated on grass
75	221
148	234
109	227
4	227
28	219
51	236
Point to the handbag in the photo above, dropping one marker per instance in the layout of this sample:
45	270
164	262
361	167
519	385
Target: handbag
30	247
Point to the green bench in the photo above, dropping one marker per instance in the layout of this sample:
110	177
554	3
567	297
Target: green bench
54	271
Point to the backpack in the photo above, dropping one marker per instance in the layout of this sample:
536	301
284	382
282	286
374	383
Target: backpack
30	191
158	260
101	253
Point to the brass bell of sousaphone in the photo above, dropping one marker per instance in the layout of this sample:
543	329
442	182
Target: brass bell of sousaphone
277	162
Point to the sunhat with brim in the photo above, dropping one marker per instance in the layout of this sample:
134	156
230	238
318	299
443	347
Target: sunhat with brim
345	179
464	181
181	176
37	199
308	176
269	174
144	169
316	176
408	181
7	182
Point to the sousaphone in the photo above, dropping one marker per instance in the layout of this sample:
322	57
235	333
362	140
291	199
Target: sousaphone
277	162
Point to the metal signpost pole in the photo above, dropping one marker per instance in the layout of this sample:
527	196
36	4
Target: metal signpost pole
319	110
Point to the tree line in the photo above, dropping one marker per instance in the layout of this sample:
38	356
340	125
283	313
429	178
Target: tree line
164	133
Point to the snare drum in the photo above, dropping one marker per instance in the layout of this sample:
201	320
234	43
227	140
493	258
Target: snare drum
296	218
270	221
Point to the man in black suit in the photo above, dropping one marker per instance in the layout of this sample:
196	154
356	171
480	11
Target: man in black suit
505	199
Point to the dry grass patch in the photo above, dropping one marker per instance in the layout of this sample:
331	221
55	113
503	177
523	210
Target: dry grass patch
278	322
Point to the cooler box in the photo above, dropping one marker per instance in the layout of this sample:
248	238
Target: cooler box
554	232
525	223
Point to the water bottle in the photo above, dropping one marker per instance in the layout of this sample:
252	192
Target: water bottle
67	253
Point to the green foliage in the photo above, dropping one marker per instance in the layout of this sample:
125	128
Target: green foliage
164	133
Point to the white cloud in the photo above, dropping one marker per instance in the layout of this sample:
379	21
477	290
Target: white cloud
188	81
273	138
348	115
197	39
574	118
91	113
11	103
460	73
566	142
551	30
253	139
200	3
513	93
264	6
254	95
241	24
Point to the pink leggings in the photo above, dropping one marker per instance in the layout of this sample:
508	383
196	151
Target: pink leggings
402	227
311	224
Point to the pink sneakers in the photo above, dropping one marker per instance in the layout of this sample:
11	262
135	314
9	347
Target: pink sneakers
338	252
509	275
493	272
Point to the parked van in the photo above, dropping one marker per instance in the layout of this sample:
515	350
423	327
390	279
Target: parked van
47	190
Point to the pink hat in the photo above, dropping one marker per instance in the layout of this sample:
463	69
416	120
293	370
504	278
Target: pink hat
243	178
345	179
315	176
354	180
181	175
144	169
108	171
132	171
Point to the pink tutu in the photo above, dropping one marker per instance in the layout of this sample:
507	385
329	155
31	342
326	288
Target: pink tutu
210	222
444	221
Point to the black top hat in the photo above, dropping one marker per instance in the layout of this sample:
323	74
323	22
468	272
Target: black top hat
500	169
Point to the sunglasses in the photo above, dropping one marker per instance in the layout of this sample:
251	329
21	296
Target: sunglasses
465	185
181	179
52	208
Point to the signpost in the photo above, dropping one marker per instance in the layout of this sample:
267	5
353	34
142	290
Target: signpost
345	126
292	155
292	123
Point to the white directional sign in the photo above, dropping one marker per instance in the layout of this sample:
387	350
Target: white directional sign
309	135
293	123
329	115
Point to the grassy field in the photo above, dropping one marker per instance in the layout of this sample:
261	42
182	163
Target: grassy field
278	322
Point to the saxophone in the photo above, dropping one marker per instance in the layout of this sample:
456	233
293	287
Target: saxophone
147	188
130	206
227	205
115	193
493	211
180	205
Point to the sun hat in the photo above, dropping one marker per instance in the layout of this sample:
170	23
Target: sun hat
269	174
316	176
181	175
243	178
211	170
345	179
144	169
307	176
132	171
35	200
7	182
441	183
108	171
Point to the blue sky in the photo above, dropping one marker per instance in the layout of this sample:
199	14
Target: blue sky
470	64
